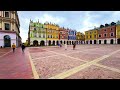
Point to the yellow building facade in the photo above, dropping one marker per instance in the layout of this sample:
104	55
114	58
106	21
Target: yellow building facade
52	33
91	36
118	32
80	37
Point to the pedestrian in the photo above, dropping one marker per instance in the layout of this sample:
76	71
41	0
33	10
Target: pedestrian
13	47
65	46
74	45
23	47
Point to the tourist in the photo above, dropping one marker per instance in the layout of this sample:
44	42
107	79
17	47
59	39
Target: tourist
23	47
13	46
65	46
74	45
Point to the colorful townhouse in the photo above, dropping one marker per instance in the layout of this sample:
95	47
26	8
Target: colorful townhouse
91	36
63	35
107	34
9	29
71	36
80	38
118	32
52	33
36	34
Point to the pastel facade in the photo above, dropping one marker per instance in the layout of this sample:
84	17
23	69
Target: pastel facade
63	36
91	36
52	33
37	34
107	34
118	32
80	38
9	29
71	36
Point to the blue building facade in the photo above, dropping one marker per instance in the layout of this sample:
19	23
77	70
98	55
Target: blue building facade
72	36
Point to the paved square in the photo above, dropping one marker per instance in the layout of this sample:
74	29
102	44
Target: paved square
85	62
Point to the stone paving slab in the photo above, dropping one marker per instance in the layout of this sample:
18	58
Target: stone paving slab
85	56
113	61
95	72
51	66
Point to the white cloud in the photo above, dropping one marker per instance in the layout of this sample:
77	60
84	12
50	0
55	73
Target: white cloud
49	18
87	23
23	34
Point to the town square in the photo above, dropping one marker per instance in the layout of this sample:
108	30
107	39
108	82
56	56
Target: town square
45	49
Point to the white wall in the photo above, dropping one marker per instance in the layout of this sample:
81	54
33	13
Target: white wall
12	36
108	40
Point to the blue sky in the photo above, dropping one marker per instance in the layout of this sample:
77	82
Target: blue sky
76	20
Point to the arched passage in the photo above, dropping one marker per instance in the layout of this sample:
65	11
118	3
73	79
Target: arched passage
90	41
35	43
54	43
94	41
67	43
61	42
64	42
118	41
7	41
49	42
105	41
42	43
111	41
57	43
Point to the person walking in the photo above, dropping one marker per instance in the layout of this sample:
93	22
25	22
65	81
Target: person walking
23	47
65	46
74	45
13	47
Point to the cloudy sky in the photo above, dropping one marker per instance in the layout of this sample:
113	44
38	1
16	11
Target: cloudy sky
77	20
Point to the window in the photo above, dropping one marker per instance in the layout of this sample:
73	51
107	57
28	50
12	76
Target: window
105	35
105	30
7	26
95	32
48	36
90	36
90	32
43	36
35	35
34	28
40	36
94	36
111	29
86	36
99	35
111	34
6	14
51	36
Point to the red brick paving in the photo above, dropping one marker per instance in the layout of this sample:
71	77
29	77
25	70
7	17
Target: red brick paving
15	66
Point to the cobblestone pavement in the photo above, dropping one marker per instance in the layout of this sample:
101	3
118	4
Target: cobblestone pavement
53	62
85	62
